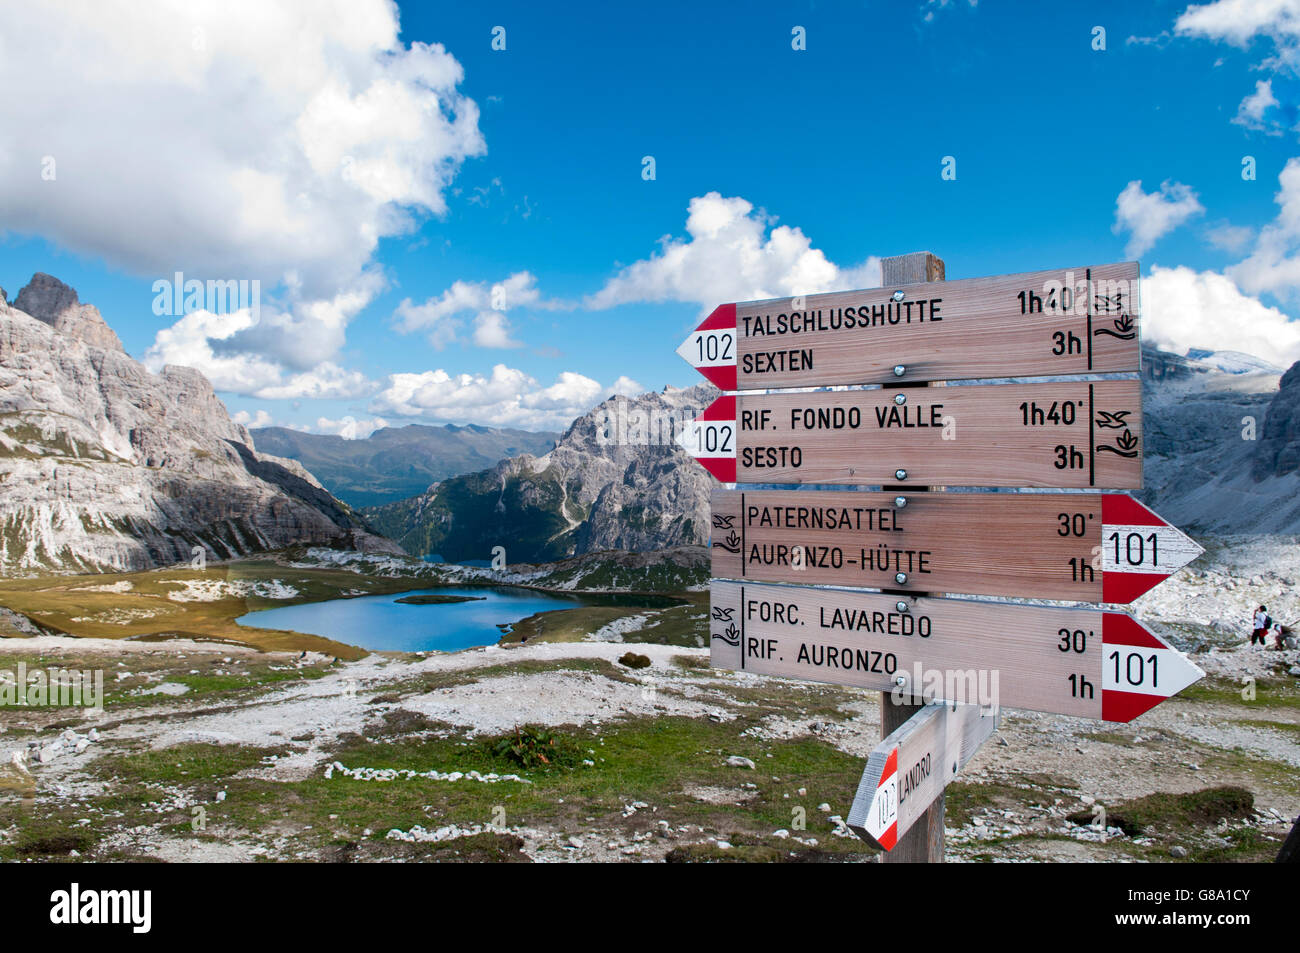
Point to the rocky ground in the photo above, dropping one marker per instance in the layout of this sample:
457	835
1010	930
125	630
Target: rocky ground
562	751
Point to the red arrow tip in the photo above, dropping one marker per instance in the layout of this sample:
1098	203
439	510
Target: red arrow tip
724	408
1120	628
723	316
1125	706
722	468
722	377
1124	587
1120	509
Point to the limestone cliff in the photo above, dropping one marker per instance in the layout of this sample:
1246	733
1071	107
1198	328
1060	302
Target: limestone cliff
105	466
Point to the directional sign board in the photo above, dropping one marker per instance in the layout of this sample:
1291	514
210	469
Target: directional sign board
1044	323
909	769
1084	662
1073	434
1085	547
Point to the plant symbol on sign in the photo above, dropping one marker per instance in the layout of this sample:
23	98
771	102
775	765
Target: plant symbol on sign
731	544
1123	329
1125	445
731	635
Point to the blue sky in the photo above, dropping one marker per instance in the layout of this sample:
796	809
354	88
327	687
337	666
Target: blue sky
842	141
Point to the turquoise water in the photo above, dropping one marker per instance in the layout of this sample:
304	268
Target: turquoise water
383	624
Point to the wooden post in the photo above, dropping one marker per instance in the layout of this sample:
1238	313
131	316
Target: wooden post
1290	852
924	842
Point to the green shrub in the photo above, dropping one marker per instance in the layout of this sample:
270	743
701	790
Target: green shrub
533	747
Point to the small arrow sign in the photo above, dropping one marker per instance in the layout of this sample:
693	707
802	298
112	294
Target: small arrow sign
1065	321
1139	549
1057	434
1089	663
711	439
909	769
1085	547
711	347
1139	669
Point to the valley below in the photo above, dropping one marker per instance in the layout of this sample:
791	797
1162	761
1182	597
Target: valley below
597	732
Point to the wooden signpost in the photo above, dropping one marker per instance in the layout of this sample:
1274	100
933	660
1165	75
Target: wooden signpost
1072	434
945	665
1087	547
1084	662
909	769
1072	321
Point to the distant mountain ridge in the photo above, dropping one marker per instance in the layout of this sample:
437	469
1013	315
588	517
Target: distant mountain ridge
105	466
615	481
1205	469
396	463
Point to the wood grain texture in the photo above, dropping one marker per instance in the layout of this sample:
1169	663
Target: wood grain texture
985	328
982	544
924	843
1011	651
911	269
954	436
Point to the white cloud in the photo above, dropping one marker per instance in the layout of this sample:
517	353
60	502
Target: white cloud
1159	41
1239	21
1274	264
431	316
731	255
1182	309
442	318
625	386
197	340
232	139
260	419
1250	112
507	398
190	342
492	329
325	381
1148	216
241	138
930	7
303	333
1230	238
349	428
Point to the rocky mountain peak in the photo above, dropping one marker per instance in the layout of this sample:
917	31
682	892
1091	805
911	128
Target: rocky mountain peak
49	300
105	466
46	297
1278	452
